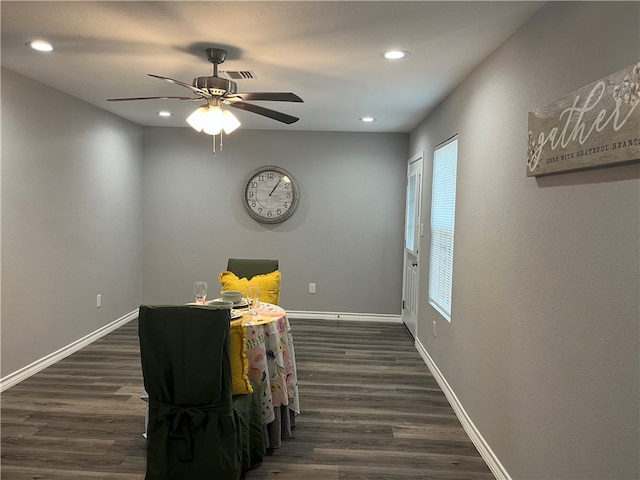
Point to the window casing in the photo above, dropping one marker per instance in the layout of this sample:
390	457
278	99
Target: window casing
443	213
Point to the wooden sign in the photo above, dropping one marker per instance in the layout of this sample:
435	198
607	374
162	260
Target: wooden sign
597	125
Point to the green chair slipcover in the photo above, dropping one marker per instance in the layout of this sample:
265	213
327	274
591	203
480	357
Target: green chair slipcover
252	432
250	267
186	366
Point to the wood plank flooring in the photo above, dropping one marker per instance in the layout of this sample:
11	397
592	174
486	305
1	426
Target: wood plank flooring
370	411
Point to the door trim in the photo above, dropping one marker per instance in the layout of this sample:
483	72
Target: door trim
418	232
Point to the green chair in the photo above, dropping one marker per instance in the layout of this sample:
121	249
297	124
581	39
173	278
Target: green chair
194	431
242	272
250	267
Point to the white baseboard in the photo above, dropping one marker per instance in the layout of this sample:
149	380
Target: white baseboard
478	440
25	372
362	317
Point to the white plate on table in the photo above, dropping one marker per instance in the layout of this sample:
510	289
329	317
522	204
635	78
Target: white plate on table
235	314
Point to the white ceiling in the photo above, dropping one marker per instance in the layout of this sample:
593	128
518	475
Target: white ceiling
326	52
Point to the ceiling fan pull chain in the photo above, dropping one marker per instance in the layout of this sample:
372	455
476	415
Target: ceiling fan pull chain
214	144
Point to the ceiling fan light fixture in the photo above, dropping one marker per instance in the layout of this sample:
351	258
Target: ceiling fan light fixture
230	122
197	118
211	119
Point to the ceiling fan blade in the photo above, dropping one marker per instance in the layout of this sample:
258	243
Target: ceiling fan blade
197	90
266	112
151	98
272	96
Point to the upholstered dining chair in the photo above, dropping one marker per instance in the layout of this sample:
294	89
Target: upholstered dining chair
242	272
186	365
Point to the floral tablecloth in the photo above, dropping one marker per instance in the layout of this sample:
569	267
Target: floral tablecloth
272	361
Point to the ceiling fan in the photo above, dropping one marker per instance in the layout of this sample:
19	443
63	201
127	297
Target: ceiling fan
216	90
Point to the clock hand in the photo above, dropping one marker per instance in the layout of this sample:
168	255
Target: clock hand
274	188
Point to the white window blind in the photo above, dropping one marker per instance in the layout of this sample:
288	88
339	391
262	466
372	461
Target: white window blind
443	215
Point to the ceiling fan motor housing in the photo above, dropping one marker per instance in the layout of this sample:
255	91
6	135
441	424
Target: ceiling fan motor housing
215	85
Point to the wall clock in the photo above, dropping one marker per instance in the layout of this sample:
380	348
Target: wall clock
270	194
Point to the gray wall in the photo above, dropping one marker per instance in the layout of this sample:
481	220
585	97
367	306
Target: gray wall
542	350
346	235
71	177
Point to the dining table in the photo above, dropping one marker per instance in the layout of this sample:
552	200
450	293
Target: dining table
272	368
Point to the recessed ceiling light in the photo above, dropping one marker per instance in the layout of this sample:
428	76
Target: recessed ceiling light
395	54
40	45
164	113
367	119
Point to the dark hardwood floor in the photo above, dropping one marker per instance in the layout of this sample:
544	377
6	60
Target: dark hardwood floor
370	410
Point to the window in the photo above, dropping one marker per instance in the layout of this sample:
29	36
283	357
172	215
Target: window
443	215
411	234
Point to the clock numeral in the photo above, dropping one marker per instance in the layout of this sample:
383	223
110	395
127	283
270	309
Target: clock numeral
269	214
266	176
251	194
253	184
285	205
288	195
278	212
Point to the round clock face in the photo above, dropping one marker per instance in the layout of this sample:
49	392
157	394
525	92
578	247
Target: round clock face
270	194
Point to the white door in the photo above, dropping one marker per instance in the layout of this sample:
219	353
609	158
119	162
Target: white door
412	233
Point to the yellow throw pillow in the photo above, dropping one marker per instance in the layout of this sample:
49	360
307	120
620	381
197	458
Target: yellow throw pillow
269	285
239	363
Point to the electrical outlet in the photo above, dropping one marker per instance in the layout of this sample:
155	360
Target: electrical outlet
312	288
434	328
99	300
